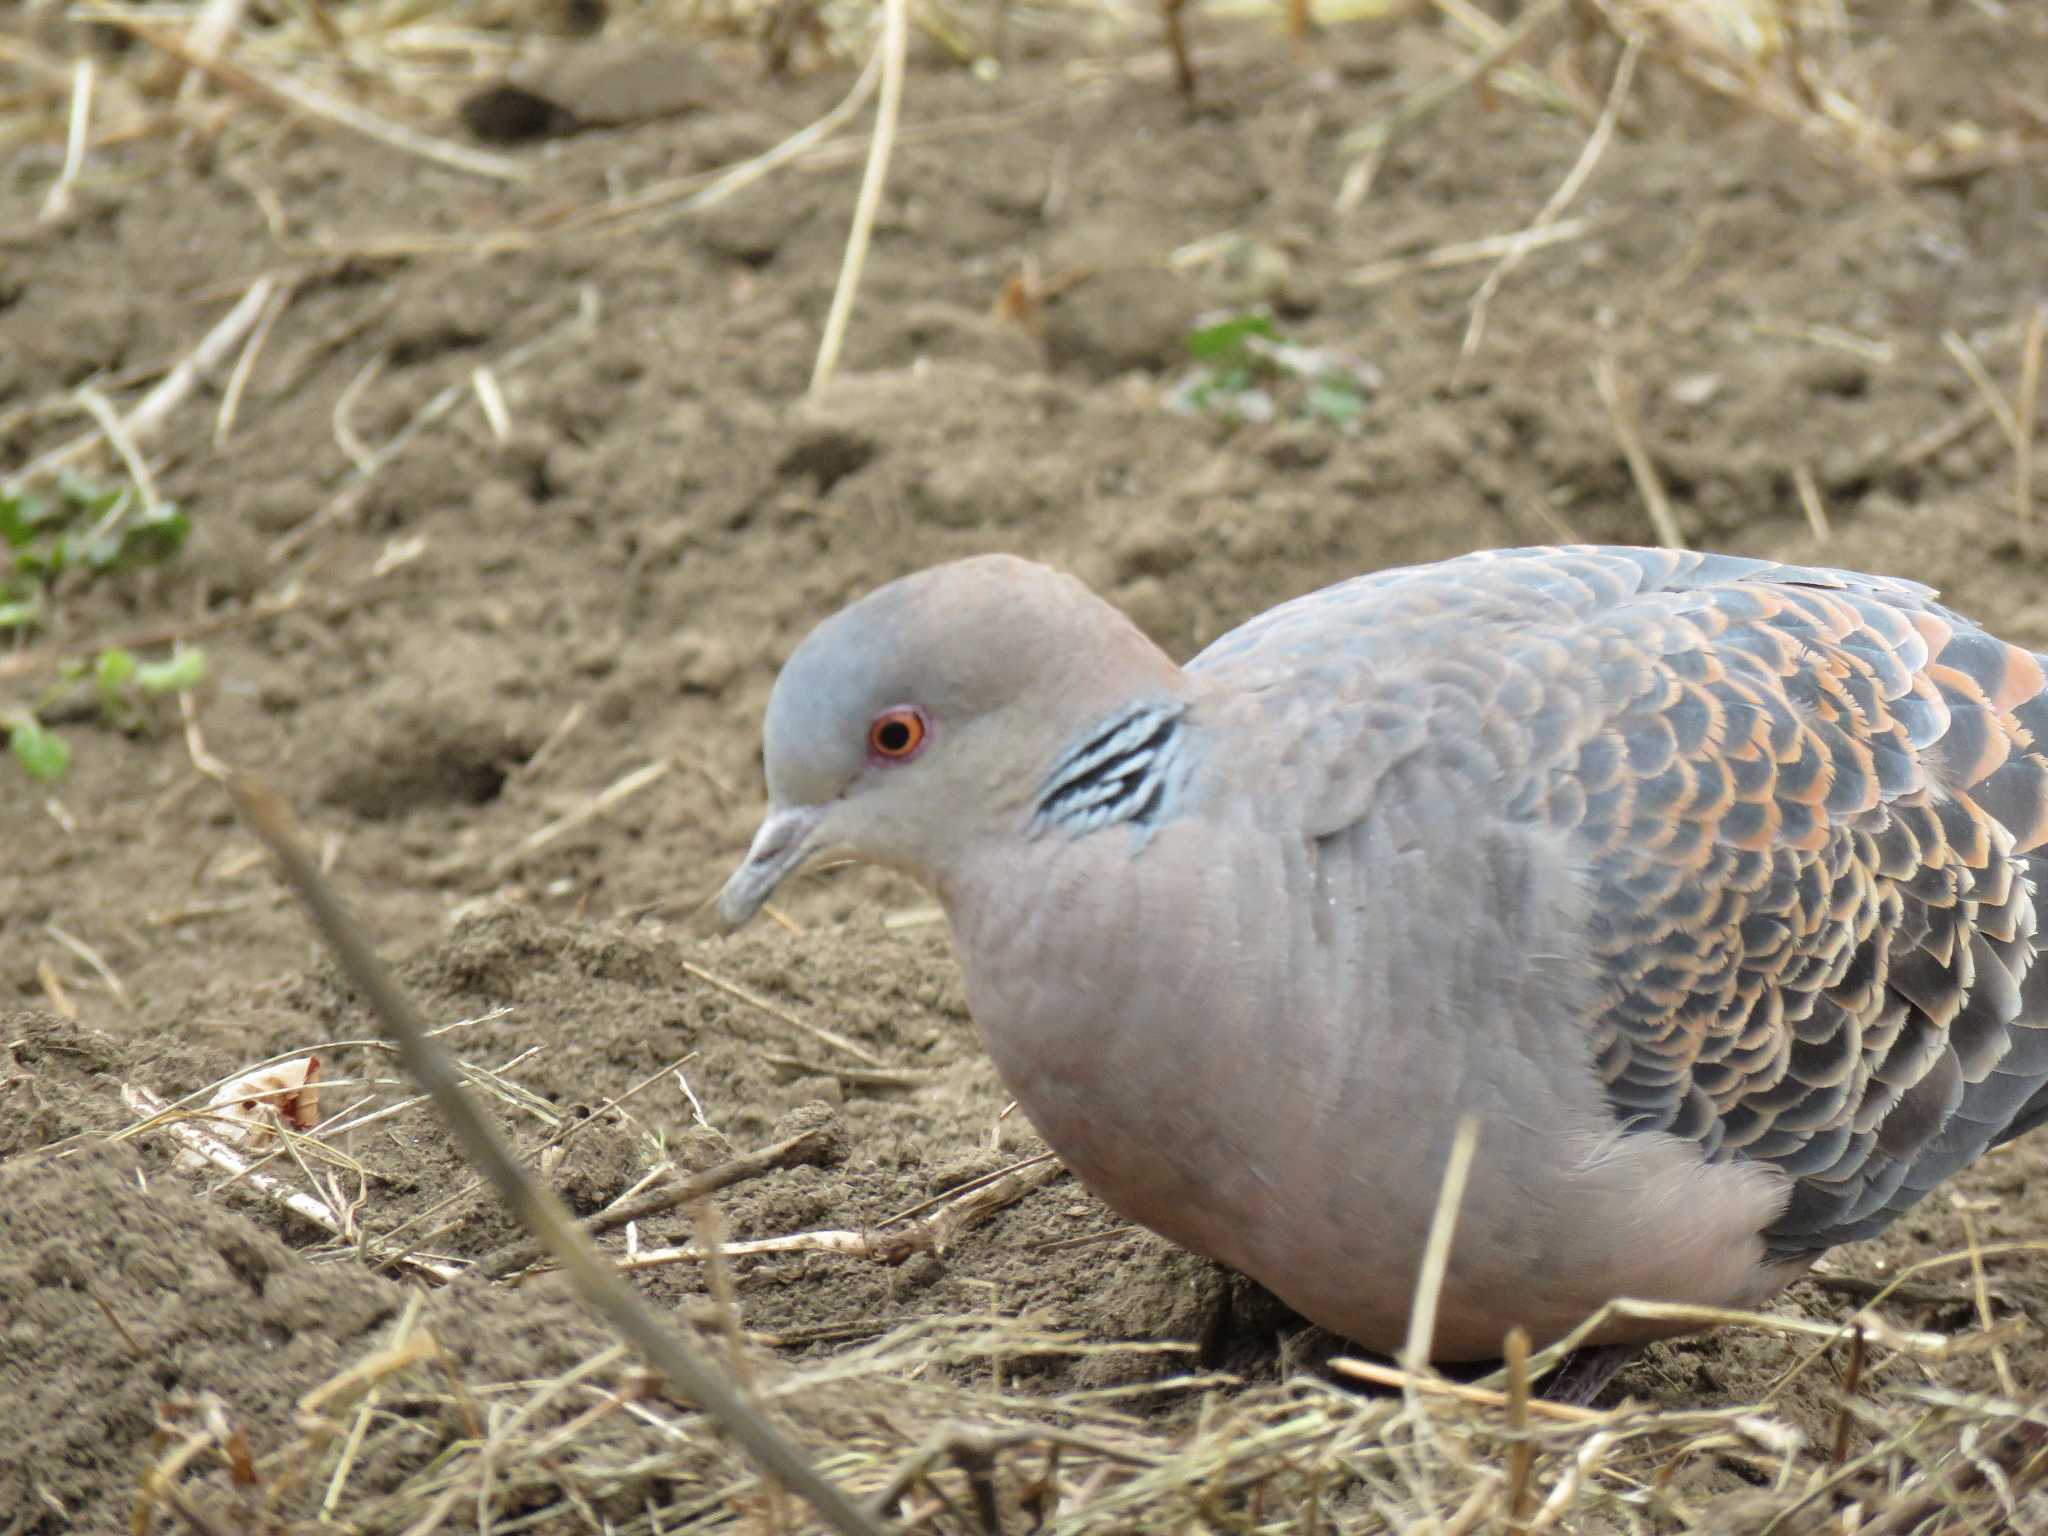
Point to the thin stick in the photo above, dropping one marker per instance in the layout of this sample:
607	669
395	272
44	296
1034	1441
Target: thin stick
965	1186
1521	1454
53	989
2025	410
1568	189
1852	1382
352	1446
23	663
1980	1290
726	1309
585	1269
1435	1386
342	416
1980	376
245	364
725	1304
1640	466
77	136
1693	1319
1575	1475
659	201
217	22
1464	253
141	422
564	729
838	1042
1436	1252
107	1307
788	1153
1935	440
622	788
492	400
101	409
933	1233
895	34
1532	83
1816	510
92	957
857	1077
211	352
1475	1508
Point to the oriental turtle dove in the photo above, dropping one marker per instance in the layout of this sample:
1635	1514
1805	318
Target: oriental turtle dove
1706	885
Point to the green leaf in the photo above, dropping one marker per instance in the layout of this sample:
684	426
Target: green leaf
111	675
1336	400
42	754
21	612
95	549
82	495
18	518
150	538
184	670
1224	341
114	667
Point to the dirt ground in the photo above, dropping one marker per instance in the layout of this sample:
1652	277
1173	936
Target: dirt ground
440	659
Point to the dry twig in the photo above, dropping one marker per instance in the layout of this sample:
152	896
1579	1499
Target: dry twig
1606	378
895	32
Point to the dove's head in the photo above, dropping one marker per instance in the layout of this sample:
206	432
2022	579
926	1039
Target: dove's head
919	722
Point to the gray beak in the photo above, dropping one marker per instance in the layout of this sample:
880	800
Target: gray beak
785	841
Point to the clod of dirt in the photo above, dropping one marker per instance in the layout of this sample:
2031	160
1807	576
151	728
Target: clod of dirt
1153	546
55	1080
594	85
511	114
1123	320
826	455
439	318
597	1164
828	1140
1839	375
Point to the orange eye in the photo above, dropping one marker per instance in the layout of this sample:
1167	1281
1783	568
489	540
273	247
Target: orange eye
897	734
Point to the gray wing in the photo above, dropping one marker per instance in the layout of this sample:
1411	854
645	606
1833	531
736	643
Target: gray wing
1811	806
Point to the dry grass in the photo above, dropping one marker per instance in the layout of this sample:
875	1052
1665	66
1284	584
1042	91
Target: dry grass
918	1425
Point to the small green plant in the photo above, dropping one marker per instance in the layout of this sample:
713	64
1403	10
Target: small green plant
123	689
81	528
77	525
1245	370
41	752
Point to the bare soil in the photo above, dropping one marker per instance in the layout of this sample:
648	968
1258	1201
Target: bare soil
618	579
